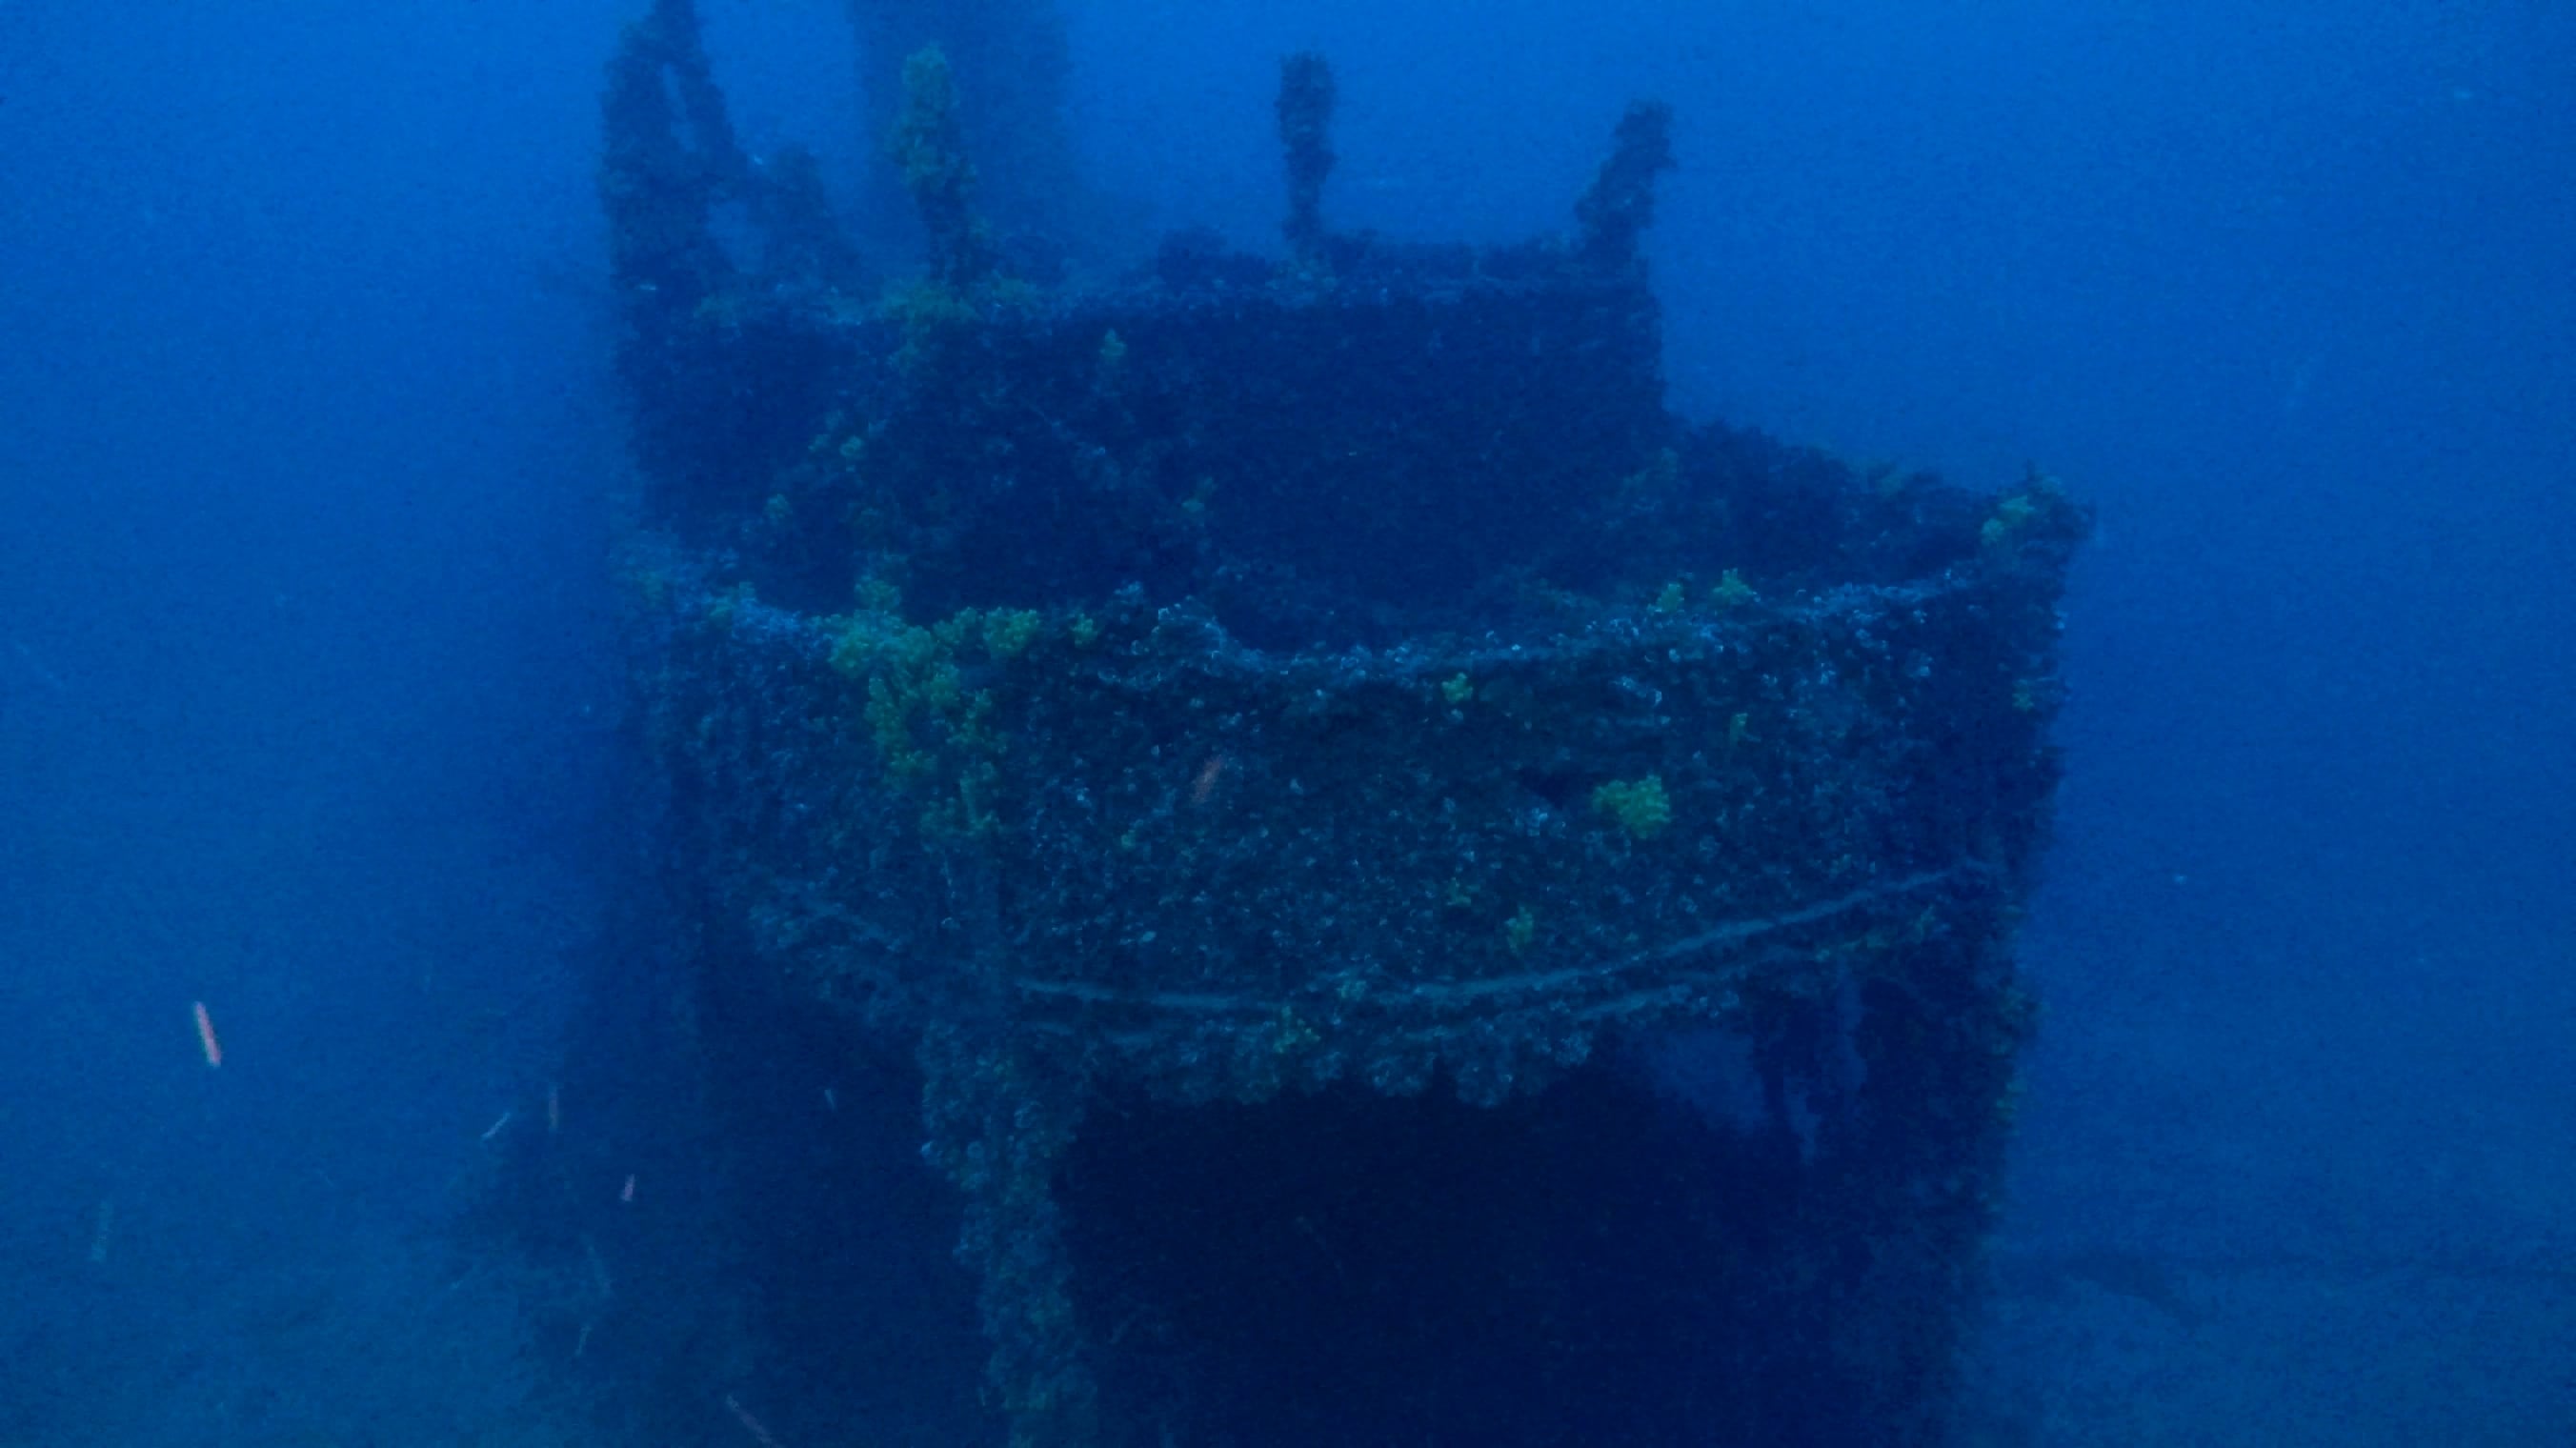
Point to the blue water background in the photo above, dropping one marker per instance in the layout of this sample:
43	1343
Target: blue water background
305	616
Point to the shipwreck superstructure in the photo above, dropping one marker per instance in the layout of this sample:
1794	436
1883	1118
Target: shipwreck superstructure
1413	894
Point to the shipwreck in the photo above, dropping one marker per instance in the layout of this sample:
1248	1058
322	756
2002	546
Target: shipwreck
1371	883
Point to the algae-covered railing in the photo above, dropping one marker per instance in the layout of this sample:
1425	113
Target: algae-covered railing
1331	700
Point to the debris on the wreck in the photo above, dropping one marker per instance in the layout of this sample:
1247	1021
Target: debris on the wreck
1417	896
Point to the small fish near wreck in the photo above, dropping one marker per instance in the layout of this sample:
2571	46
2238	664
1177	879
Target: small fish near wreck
1413	894
208	1044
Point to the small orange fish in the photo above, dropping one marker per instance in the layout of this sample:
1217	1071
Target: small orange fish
206	1035
759	1432
1209	773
